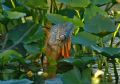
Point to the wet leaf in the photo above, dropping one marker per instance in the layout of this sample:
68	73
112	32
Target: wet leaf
14	14
85	38
108	51
76	3
100	25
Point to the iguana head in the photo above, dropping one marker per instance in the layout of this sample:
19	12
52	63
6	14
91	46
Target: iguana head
59	34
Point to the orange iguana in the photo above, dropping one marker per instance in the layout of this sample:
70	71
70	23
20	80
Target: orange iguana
58	43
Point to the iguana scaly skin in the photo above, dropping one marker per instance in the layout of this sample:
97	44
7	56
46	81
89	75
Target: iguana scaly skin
58	44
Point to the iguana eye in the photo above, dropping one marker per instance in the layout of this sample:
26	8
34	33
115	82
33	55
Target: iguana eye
62	37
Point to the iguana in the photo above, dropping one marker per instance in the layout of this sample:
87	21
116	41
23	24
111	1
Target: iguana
58	43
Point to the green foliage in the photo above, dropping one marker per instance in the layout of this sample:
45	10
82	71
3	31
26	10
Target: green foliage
74	76
85	38
101	2
107	26
22	37
55	18
76	3
9	56
13	14
108	51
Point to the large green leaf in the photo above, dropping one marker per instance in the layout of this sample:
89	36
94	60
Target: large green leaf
11	55
100	25
101	2
34	42
37	34
92	11
75	77
56	18
35	3
78	22
86	76
16	33
22	81
72	77
83	61
14	14
76	3
108	51
32	49
80	62
85	38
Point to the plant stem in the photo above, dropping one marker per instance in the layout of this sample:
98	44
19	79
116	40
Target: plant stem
5	41
115	71
51	6
55	6
61	5
114	35
6	28
13	4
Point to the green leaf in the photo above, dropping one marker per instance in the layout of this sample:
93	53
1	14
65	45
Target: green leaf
35	35
101	2
35	40
3	19
72	77
80	62
78	22
35	3
85	38
75	77
76	3
11	55
108	51
16	33
32	49
14	14
86	76
22	81
117	17
92	11
56	18
83	61
68	60
100	25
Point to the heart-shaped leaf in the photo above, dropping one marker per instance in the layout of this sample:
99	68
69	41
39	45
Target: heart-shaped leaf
85	38
76	3
72	77
100	25
56	18
100	2
34	3
14	14
107	51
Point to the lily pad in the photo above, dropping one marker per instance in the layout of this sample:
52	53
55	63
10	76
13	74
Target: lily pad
107	51
85	38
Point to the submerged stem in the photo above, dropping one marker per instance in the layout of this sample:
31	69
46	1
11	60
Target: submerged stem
115	71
